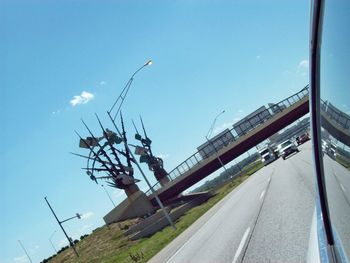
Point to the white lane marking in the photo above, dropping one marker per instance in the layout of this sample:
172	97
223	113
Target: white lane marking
188	241
342	187
241	245
262	195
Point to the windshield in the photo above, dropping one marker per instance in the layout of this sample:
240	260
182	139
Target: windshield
285	144
264	152
160	103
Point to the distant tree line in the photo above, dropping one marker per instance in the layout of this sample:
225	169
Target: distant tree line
227	174
63	249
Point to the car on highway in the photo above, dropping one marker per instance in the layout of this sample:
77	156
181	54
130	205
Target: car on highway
287	148
267	155
302	138
332	150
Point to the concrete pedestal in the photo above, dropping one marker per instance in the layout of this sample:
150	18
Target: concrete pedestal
135	205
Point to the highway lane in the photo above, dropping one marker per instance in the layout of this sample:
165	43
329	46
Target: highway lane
283	227
266	219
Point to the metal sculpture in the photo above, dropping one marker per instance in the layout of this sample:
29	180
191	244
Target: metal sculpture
155	164
106	157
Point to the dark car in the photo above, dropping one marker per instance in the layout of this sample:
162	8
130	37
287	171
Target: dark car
302	138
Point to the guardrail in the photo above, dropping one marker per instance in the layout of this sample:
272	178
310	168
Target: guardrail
247	126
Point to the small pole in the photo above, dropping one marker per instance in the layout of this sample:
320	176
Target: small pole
60	223
51	241
19	241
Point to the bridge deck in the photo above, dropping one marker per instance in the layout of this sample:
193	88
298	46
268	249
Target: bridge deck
233	150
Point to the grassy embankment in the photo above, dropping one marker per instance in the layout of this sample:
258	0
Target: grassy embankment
109	245
343	161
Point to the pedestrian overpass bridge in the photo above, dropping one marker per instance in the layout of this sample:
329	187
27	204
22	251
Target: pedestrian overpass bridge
195	168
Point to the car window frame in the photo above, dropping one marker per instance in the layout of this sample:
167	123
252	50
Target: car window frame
317	14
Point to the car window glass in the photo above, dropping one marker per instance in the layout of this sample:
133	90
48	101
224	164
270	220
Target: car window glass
335	119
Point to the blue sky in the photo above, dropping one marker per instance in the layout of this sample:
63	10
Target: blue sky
66	60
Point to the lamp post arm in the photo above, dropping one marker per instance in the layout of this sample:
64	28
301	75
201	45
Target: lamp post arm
68	219
212	125
126	89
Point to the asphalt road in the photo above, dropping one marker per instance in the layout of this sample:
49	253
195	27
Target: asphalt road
266	219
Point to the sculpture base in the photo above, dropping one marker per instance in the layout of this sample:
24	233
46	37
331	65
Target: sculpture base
135	205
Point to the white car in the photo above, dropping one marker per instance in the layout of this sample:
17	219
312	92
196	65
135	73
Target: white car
286	148
267	155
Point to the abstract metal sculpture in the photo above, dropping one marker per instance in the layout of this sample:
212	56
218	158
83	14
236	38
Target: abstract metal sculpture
104	156
118	174
155	164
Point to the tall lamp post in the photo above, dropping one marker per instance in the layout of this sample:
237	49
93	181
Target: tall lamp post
50	239
121	99
77	215
210	142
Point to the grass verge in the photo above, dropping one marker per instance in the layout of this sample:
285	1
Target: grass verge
109	245
343	161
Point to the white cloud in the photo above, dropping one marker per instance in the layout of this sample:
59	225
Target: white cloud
21	259
102	83
163	155
303	67
87	215
258	56
33	250
56	112
83	98
304	64
87	226
222	127
24	258
117	193
240	111
63	242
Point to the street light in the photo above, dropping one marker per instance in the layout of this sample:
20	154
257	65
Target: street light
51	241
77	215
210	142
110	198
212	125
125	90
121	98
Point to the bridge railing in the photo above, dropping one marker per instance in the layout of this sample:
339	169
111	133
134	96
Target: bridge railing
338	116
247	126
